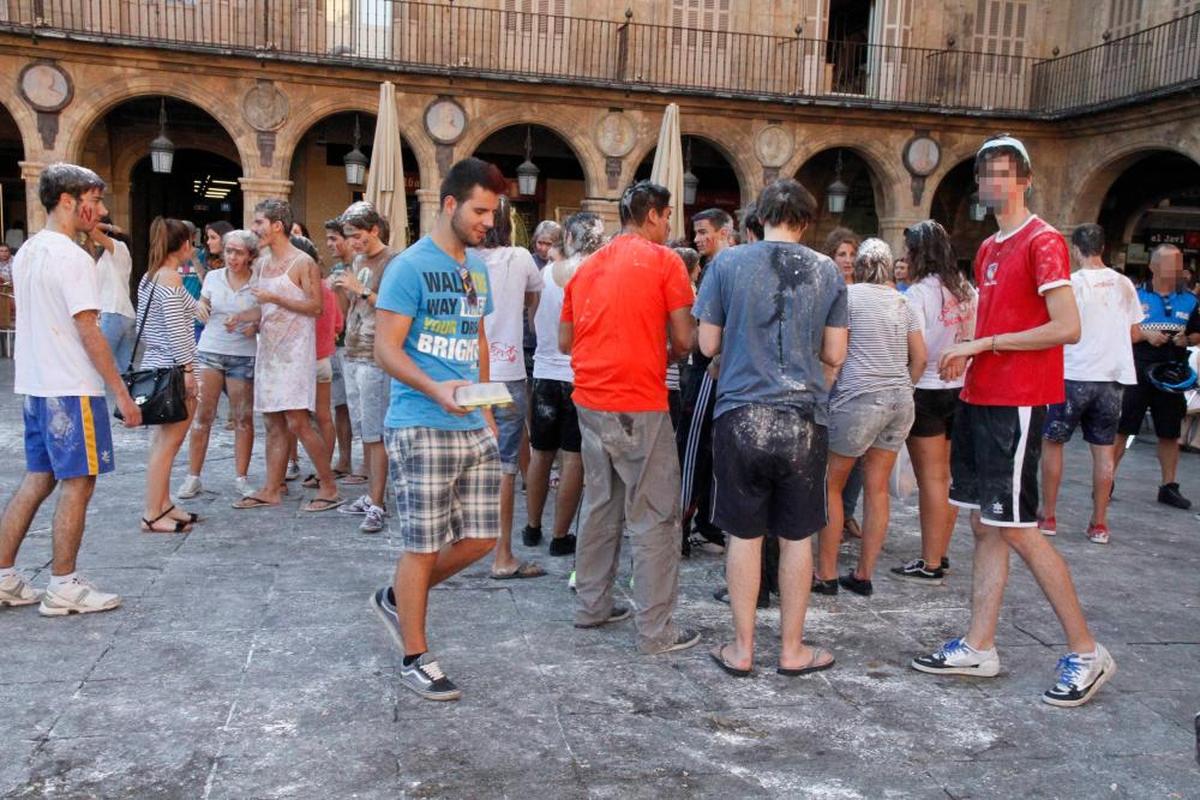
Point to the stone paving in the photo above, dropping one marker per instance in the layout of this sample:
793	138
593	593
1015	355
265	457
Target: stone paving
245	664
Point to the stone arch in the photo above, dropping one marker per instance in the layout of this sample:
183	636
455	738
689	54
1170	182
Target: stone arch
300	122
78	122
26	122
124	163
746	169
891	182
1084	205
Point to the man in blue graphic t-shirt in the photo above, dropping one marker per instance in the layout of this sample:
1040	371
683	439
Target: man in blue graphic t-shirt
429	336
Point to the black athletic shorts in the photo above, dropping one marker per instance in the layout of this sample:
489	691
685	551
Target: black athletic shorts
1167	409
994	452
934	412
770	474
1096	405
553	421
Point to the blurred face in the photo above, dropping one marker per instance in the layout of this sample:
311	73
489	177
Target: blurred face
237	257
658	225
1000	188
542	245
5	253
710	239
900	268
1167	265
474	217
212	241
844	258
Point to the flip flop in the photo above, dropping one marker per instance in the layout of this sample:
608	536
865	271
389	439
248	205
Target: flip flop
319	504
813	665
351	478
250	501
718	657
526	569
311	482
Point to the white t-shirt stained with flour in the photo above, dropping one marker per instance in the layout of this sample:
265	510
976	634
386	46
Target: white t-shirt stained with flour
511	273
53	280
1108	307
947	321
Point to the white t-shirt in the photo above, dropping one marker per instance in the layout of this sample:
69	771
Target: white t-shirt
53	280
548	362
224	302
1108	306
946	321
114	280
511	273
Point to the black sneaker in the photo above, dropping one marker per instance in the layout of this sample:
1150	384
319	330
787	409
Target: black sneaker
531	536
1168	494
824	587
722	596
426	678
563	545
686	638
856	584
915	572
945	565
617	614
383	603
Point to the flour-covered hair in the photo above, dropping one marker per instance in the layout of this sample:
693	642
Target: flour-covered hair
583	234
873	264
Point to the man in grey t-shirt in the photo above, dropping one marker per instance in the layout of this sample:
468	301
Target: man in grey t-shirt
776	312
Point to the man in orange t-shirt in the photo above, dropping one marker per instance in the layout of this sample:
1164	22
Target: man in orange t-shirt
618	311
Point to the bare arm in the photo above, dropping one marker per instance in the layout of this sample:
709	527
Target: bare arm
310	283
834	344
485	374
96	346
566	337
681	333
391	329
917	356
710	338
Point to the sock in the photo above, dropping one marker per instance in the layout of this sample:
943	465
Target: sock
408	660
7	572
197	477
59	581
533	527
1090	656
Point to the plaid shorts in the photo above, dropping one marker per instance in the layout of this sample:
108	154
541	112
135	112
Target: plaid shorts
447	486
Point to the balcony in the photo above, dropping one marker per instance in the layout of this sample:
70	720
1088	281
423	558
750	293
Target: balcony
432	38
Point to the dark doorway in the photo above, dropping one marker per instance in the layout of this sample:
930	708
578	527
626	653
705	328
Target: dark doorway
717	185
12	186
951	206
560	186
846	49
202	187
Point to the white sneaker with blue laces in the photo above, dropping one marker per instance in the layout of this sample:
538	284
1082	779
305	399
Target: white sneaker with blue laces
1080	677
956	657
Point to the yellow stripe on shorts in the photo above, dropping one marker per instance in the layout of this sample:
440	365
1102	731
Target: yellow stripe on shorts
89	435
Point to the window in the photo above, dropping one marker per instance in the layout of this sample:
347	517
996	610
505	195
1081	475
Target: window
1124	17
547	16
1000	28
706	21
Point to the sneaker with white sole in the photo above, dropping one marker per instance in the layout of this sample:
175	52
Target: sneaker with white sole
617	614
358	507
1047	525
915	571
1097	533
77	597
686	638
190	488
383	603
293	471
426	678
16	591
241	485
956	657
373	521
1080	677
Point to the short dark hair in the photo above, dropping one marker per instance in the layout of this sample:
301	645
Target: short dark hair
691	259
640	198
335	226
717	216
305	245
220	227
462	178
62	178
500	234
785	202
1088	239
278	210
362	216
751	223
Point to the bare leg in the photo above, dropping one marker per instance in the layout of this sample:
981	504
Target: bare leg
417	573
345	438
743	571
167	440
1050	571
325	415
70	514
377	466
987	583
830	539
1102	481
504	560
537	485
795	583
1052	468
300	428
931	462
570	489
212	381
19	513
277	455
1168	459
1118	452
877	466
241	402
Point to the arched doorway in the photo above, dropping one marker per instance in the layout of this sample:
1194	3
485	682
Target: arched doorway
952	204
861	211
1155	200
318	173
560	181
717	182
13	214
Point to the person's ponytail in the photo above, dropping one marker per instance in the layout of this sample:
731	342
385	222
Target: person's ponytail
166	236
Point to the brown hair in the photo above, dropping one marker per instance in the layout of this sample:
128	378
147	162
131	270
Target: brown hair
839	236
166	236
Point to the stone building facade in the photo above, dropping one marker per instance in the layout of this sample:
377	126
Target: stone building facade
267	87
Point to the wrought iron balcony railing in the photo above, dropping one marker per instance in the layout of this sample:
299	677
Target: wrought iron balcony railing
436	38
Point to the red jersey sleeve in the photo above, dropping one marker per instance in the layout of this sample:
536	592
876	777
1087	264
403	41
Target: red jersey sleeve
677	288
1050	261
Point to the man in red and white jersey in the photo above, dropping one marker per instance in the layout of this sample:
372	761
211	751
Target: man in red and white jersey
1014	368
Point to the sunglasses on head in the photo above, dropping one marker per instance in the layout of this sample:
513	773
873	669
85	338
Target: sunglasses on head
468	286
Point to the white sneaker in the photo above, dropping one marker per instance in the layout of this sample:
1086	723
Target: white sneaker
373	521
16	591
77	597
241	485
190	488
956	657
359	506
293	471
1079	678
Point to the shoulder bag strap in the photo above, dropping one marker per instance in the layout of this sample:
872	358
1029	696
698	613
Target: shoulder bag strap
142	324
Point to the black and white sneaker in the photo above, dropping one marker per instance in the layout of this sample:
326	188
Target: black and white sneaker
915	572
617	614
426	678
956	657
383	603
1080	677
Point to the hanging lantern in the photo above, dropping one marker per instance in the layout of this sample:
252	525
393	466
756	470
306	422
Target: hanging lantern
977	211
356	163
690	182
527	173
162	149
837	191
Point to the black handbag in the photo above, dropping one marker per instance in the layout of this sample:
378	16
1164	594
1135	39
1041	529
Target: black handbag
160	393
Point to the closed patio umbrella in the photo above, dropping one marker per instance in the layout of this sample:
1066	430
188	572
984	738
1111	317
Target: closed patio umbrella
668	166
385	180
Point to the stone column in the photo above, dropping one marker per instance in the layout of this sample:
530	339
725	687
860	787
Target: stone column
606	208
255	190
427	199
891	230
120	203
34	211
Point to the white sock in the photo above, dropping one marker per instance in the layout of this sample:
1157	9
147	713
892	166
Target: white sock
197	477
59	581
1090	656
7	572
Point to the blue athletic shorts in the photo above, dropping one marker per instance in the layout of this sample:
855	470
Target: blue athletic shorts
67	436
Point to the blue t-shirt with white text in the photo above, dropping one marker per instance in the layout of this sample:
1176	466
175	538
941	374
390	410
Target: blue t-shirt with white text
425	283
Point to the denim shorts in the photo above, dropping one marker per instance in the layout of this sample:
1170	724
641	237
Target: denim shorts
510	419
1094	405
240	368
876	419
368	390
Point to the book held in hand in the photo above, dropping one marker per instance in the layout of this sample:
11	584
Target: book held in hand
476	395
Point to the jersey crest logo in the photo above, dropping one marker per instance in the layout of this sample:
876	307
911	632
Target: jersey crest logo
989	273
